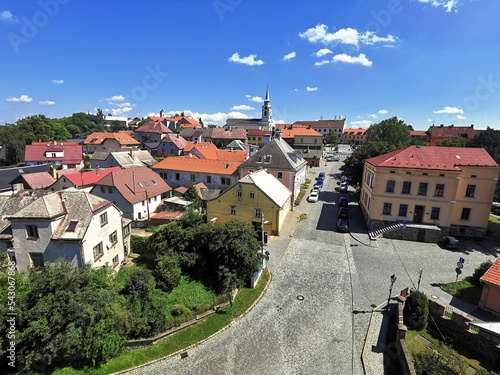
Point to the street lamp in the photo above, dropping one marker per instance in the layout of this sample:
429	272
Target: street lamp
393	280
262	223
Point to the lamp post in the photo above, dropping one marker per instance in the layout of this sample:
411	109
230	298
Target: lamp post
262	223
393	280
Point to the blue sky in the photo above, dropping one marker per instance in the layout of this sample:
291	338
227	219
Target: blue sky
424	61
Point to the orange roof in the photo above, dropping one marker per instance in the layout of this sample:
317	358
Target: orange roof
358	131
205	166
123	139
434	157
419	133
209	151
492	276
299	132
153	127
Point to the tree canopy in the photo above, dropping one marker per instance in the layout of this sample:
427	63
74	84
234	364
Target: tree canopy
394	131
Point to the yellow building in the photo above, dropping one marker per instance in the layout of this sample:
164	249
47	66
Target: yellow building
448	187
258	198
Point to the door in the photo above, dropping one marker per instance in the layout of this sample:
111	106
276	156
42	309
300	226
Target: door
418	215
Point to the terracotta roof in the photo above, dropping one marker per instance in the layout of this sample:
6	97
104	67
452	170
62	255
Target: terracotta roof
225	133
434	157
175	215
210	151
153	127
71	154
419	133
358	131
177	140
123	139
181	163
89	177
37	180
181	190
54	143
299	132
258	132
133	183
492	276
327	124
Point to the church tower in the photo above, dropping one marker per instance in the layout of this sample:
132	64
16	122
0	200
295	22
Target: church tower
267	113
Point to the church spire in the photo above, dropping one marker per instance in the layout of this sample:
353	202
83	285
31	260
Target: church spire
267	94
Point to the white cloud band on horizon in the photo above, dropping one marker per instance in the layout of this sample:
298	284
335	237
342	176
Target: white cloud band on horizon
242	107
21	99
247	60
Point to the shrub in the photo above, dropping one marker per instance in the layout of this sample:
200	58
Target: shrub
480	271
416	311
443	361
138	244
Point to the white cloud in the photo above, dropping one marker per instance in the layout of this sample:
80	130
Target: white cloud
115	98
323	52
57	81
289	56
7	16
242	107
247	60
350	36
21	99
46	102
450	111
373	116
361	124
383	112
460	117
449	5
361	59
117	111
248	96
311	88
257	99
322	62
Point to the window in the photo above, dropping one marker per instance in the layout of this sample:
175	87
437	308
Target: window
422	188
257	212
192	177
177	177
406	187
110	189
140	185
115	261
391	185
104	219
435	213
209	179
32	231
36	260
239	194
251	195
280	174
439	190
98	252
126	231
403	209
470	192
465	214
113	237
103	189
232	210
154	182
387	209
72	226
225	181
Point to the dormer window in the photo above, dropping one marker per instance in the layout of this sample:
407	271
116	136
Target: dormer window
72	226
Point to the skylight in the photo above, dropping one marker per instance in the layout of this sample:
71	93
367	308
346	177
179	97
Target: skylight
72	226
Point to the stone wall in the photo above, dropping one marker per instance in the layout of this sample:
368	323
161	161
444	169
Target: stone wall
420	233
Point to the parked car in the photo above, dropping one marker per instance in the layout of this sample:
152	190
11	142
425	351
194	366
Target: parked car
495	208
321	176
342	225
332	158
313	197
318	184
315	189
343	213
449	242
343	202
343	186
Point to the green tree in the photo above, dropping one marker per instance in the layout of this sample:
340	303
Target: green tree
36	127
167	271
488	139
69	317
13	139
332	138
394	131
454	142
416	311
354	163
443	360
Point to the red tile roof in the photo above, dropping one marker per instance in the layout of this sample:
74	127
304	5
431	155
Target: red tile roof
258	132
38	180
299	132
175	215
324	124
36	153
177	140
225	133
123	139
54	143
358	131
181	163
153	127
492	276
133	183
210	151
90	177
434	157
438	133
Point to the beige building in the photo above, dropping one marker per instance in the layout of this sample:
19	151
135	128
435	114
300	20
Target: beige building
448	187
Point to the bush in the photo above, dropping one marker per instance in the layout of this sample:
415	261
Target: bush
443	361
139	244
480	271
416	311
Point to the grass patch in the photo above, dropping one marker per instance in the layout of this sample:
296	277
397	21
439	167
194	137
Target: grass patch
493	225
196	333
464	290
